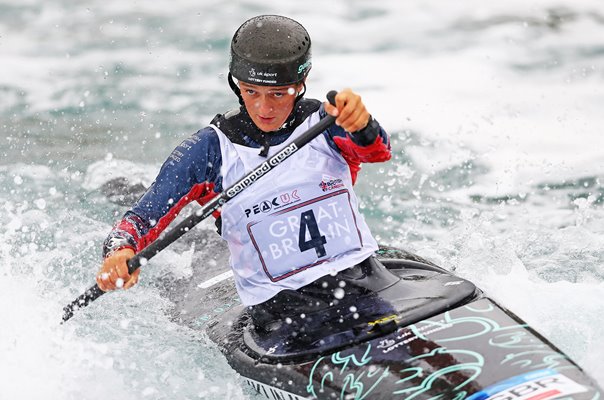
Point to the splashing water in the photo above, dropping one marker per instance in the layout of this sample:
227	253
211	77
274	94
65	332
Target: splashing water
497	168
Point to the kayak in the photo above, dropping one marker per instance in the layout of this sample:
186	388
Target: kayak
427	334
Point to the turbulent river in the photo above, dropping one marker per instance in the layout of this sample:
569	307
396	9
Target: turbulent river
495	112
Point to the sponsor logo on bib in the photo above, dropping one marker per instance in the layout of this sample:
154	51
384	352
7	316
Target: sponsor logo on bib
275	203
330	183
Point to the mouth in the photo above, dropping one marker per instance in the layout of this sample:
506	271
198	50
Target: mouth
266	120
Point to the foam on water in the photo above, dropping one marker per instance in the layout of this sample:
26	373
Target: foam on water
114	348
93	357
495	111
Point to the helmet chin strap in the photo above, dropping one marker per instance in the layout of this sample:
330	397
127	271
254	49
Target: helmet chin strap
302	93
235	88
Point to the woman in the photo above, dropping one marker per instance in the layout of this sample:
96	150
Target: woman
296	232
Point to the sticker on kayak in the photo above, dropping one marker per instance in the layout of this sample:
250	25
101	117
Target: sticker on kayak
304	235
545	384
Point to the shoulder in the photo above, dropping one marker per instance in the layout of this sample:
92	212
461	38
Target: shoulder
306	107
202	137
198	143
198	153
232	124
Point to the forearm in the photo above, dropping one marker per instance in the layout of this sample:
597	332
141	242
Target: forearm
126	234
192	176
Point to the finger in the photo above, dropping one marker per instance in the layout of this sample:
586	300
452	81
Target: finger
350	106
104	282
331	110
119	283
122	271
133	279
118	277
354	119
341	100
360	123
113	277
101	279
130	283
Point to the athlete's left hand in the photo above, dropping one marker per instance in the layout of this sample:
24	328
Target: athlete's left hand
350	112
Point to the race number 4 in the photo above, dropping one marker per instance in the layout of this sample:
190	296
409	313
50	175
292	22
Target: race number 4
308	223
306	234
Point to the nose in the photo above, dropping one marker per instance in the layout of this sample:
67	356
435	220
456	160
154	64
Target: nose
264	104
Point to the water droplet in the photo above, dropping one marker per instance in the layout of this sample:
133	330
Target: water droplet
40	203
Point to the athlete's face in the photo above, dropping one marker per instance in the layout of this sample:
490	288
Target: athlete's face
269	106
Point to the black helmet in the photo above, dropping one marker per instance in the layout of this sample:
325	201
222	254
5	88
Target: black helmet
270	50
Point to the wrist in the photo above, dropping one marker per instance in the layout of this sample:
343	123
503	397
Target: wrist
125	250
367	135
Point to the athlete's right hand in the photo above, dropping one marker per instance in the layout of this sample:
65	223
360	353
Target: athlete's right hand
114	272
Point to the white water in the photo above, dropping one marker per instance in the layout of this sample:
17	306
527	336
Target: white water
495	111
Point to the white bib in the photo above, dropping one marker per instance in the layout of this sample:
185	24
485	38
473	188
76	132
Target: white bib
294	225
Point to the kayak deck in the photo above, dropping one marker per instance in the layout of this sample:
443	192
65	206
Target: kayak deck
431	335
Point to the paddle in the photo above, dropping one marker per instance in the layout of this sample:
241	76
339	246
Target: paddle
94	292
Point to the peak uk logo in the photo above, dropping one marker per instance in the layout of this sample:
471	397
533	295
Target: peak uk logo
275	203
330	183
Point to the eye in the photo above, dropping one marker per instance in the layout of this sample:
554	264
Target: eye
278	94
251	92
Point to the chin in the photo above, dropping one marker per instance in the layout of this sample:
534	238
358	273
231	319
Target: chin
267	128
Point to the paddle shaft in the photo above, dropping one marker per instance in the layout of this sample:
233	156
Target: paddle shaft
164	240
